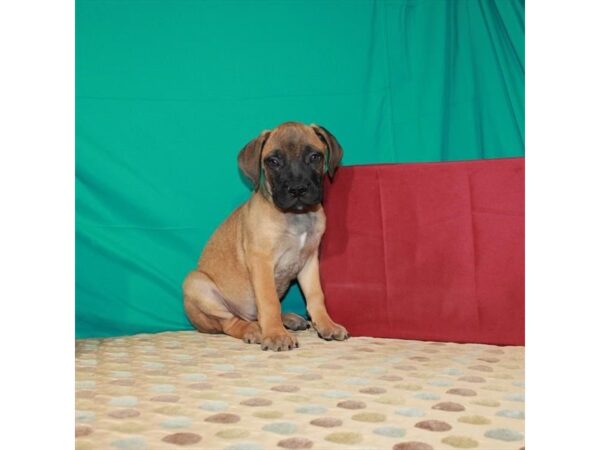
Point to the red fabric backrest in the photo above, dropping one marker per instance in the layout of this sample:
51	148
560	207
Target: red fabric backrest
429	251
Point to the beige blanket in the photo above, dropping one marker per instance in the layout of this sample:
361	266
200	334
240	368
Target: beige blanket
185	389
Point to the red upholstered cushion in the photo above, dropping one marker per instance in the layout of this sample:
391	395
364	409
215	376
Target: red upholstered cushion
431	251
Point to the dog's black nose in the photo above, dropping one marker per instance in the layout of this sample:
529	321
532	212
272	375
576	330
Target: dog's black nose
297	190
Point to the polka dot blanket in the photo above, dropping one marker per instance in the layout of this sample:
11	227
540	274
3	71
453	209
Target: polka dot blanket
190	390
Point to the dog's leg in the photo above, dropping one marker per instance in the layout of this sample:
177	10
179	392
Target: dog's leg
274	335
294	322
309	281
205	307
249	332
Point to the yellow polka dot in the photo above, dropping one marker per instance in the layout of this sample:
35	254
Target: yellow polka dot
169	410
486	402
297	398
369	417
501	376
409	386
421	375
390	400
233	433
344	438
208	395
460	442
83	445
129	427
474	420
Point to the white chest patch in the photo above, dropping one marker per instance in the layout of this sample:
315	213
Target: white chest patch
302	239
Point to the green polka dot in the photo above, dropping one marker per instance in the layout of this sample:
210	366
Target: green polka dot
245	446
128	427
460	442
233	433
410	412
132	443
311	409
297	398
369	417
512	413
344	438
504	434
168	410
390	431
214	405
176	422
390	400
268	414
281	427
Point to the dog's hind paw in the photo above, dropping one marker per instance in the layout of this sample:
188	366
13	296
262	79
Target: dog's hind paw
294	322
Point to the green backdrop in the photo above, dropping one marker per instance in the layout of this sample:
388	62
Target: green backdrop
168	91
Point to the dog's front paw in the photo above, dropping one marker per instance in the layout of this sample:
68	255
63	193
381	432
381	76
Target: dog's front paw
331	331
278	341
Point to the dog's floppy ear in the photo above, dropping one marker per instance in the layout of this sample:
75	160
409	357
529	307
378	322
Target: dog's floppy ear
333	147
249	157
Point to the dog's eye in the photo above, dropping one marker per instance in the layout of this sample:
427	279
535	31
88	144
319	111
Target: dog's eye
273	162
315	157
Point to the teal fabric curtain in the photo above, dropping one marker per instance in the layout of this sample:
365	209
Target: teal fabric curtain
168	91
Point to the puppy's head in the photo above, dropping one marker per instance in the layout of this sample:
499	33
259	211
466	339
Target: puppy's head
288	164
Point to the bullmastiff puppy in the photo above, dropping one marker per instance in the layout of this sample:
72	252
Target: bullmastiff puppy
270	240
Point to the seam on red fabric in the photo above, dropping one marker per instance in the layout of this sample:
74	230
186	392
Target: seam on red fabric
383	240
470	187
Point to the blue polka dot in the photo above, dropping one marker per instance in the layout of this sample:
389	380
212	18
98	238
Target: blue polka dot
452	371
395	359
504	434
194	377
356	380
410	412
176	422
296	369
444	383
274	378
132	443
249	391
337	394
427	396
214	405
85	384
518	397
519	383
163	388
376	369
223	367
85	416
87	362
153	365
512	413
281	427
394	432
126	400
311	409
245	446
121	374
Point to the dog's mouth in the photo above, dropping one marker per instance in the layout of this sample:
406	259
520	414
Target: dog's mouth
297	206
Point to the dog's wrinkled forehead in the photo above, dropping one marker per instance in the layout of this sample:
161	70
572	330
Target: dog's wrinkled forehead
292	138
